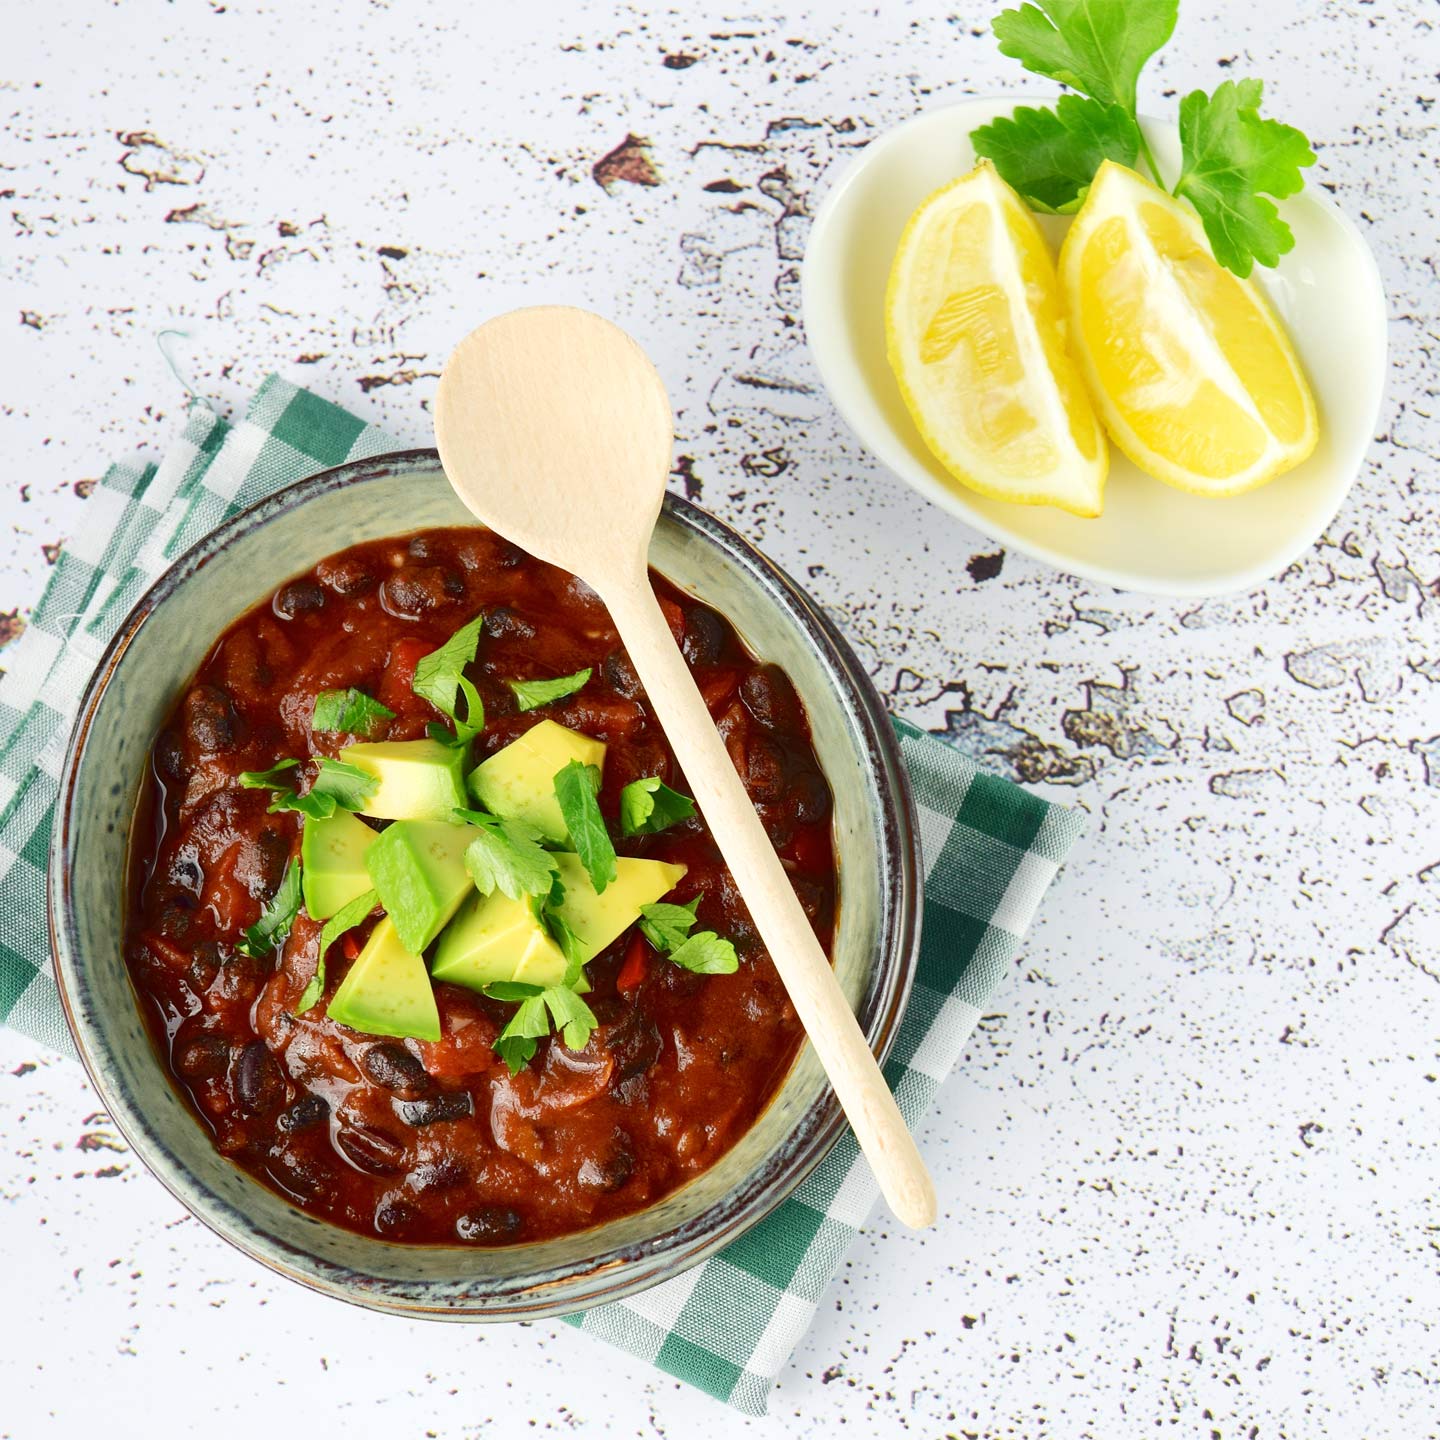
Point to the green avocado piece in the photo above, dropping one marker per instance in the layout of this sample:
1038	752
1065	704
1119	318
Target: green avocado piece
332	863
419	779
418	869
387	990
519	781
496	938
599	919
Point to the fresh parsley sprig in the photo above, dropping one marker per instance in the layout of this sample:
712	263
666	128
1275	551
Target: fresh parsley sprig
667	927
577	788
531	694
347	917
540	1010
506	855
648	806
270	930
440	679
338	786
1231	158
349	712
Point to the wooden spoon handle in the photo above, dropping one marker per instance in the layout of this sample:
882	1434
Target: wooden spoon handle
802	964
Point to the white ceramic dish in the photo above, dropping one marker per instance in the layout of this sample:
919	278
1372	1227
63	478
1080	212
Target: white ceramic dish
1151	537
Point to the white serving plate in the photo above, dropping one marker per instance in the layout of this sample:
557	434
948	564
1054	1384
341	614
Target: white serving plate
1151	537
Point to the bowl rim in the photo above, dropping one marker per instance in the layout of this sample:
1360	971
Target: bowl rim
881	444
620	1270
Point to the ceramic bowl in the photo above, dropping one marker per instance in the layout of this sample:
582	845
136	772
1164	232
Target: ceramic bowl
148	665
1151	538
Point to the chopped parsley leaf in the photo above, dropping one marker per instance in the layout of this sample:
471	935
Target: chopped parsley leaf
531	694
440	679
347	917
576	789
270	930
648	806
349	712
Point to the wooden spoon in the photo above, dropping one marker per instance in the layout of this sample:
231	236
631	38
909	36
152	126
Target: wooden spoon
555	430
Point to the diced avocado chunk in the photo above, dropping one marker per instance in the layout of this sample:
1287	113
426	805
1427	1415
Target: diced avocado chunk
419	779
387	990
497	938
418	869
332	863
598	919
519	781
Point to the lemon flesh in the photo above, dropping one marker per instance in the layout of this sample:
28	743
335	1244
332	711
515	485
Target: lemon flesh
976	338
1192	373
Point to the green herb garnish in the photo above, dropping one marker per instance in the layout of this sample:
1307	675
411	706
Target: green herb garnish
313	805
530	694
1051	156
337	784
1231	159
516	1043
707	954
512	990
347	917
347	785
272	779
648	806
576	789
667	927
440	679
507	856
349	712
270	930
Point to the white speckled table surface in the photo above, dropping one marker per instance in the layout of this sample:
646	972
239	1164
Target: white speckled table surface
1187	1170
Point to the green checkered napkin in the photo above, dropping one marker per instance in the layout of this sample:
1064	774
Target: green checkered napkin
990	850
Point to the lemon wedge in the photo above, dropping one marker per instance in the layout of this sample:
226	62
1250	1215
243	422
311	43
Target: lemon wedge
976	338
1193	375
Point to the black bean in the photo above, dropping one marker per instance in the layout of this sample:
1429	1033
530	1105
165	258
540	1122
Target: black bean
204	965
764	773
257	1083
396	1069
779	825
609	1173
299	597
443	1174
503	623
770	698
260	866
372	1151
634	1044
704	636
170	758
444	1105
305	1114
203	1058
209	718
423	547
416	590
490	1222
185	872
619	674
393	1215
809	796
176	918
305	1176
345	575
810	895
